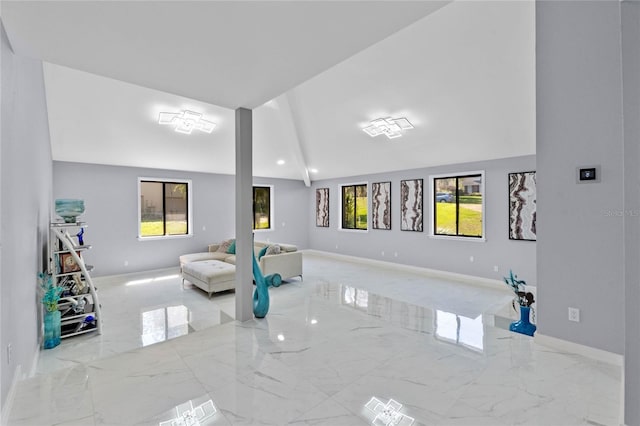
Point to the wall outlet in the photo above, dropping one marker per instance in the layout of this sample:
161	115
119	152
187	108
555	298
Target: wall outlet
495	268
9	353
126	263
395	254
204	228
470	258
336	246
382	254
574	314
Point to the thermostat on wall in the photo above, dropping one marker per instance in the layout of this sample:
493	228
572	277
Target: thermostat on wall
588	174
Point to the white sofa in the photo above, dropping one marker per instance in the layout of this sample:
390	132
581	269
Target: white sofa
288	263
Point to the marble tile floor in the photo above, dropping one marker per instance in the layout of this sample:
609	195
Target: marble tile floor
137	310
346	334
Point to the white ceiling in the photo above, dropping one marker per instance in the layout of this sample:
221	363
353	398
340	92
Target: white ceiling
228	53
463	74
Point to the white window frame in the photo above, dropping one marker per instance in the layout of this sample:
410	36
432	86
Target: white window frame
189	233
359	231
272	209
432	206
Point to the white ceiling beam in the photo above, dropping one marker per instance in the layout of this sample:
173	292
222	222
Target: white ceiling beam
291	128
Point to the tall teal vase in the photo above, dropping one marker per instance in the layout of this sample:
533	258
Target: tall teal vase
261	292
51	329
524	325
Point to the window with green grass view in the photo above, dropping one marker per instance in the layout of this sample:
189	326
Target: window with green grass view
354	207
261	207
458	205
164	208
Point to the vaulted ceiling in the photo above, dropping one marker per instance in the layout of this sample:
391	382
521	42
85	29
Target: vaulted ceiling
314	73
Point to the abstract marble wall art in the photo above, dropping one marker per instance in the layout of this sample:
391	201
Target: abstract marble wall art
522	206
322	207
411	205
381	205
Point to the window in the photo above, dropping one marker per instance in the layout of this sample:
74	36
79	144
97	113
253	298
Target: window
354	207
262	216
458	205
164	208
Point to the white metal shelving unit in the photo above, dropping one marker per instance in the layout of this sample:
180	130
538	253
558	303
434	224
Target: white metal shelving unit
79	305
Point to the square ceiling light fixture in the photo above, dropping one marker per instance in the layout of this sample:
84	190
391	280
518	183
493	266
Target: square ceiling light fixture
186	121
391	127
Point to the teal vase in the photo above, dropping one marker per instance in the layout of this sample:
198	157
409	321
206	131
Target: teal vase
51	329
524	325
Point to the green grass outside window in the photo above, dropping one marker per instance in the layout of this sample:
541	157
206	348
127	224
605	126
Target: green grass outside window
154	229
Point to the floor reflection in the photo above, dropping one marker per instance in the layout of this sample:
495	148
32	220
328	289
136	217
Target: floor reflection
460	330
165	323
195	412
445	326
387	414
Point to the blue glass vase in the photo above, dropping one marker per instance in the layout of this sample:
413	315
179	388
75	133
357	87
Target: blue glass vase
69	209
51	329
523	326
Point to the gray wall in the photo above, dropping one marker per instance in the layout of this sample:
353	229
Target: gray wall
417	248
110	195
25	198
631	93
579	122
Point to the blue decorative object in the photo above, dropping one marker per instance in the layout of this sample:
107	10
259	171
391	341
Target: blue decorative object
523	326
232	248
69	209
523	298
79	235
262	252
261	292
51	329
50	298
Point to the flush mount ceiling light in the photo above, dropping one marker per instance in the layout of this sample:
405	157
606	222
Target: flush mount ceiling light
186	121
391	127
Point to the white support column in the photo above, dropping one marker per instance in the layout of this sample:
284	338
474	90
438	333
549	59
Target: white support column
244	212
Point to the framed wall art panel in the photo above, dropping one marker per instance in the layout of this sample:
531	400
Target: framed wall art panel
381	205
411	205
522	206
322	207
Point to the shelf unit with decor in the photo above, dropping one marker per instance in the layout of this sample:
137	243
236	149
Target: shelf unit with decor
78	305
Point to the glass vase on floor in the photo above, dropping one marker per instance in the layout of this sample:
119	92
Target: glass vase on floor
523	326
51	329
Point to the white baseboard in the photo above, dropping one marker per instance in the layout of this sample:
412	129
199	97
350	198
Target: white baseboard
36	358
578	349
8	404
453	276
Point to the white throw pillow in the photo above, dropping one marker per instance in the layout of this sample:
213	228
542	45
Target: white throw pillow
273	249
224	246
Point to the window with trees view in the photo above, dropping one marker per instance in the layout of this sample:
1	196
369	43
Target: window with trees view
354	207
164	208
261	207
458	205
